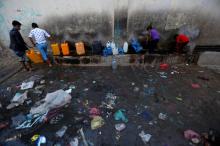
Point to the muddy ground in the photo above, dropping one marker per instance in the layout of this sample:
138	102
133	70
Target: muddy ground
138	91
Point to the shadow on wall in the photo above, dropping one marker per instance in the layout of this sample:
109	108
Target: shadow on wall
80	27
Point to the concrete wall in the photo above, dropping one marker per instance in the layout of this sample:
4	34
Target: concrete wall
89	20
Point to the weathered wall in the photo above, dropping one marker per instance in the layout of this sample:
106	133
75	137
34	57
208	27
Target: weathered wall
89	20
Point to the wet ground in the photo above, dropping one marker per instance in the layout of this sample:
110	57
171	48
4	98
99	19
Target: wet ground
143	93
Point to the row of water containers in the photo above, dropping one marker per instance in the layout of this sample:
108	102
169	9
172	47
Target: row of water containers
111	49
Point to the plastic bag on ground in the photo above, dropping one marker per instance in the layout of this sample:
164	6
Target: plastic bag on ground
97	122
17	100
145	137
27	85
119	115
52	100
61	132
192	135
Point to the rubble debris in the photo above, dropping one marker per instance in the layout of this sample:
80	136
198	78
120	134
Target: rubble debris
27	85
145	137
17	100
119	115
61	132
120	126
97	122
52	100
162	116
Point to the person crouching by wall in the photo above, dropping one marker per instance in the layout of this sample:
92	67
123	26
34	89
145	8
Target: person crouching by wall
153	39
40	36
181	42
18	45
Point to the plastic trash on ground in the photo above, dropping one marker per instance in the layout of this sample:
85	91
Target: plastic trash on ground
119	115
17	100
145	137
61	132
94	112
17	120
74	142
41	140
27	85
162	116
164	66
119	127
97	122
52	100
195	85
192	135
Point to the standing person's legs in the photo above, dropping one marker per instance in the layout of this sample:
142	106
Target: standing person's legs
22	59
153	46
43	50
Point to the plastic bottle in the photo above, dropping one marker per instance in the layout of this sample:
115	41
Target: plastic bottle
114	64
125	47
114	49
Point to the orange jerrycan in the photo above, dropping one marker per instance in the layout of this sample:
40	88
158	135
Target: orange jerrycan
55	49
65	48
80	49
34	56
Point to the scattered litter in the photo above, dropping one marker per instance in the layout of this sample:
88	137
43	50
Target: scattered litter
39	87
42	82
132	83
97	122
163	75
41	140
8	89
145	85
74	142
68	91
94	112
110	100
200	71
119	127
56	119
83	137
162	116
187	64
27	85
164	66
72	87
136	89
145	137
192	135
3	125
146	116
203	78
119	115
51	82
52	100
93	82
179	98
86	89
195	85
17	120
17	100
174	72
35	137
61	132
28	102
218	91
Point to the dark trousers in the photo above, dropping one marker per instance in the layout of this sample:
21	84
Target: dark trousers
152	46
